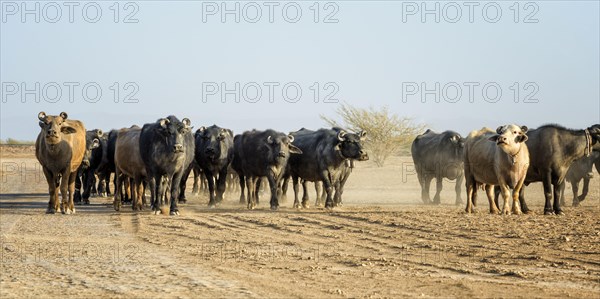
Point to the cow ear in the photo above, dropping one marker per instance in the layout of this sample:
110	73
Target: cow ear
295	150
494	138
64	115
499	129
42	116
68	130
524	129
95	143
363	135
42	124
99	133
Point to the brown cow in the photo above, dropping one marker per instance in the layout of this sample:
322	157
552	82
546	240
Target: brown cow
128	162
503	163
59	148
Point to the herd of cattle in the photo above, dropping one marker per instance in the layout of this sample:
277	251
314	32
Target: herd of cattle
161	155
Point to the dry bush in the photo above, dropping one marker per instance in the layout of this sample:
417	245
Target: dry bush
387	133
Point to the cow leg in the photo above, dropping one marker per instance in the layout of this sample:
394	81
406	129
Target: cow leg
547	182
438	190
586	188
195	189
250	182
524	207
562	197
64	188
558	191
471	187
425	190
273	185
242	183
318	191
305	197
489	191
221	184
183	183
161	186
295	184
211	189
284	187
71	189
88	185
329	188
52	191
457	188
516	208
575	189
138	205
175	183
117	196
78	185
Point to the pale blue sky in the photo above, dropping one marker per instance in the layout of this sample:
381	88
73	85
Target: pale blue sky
368	54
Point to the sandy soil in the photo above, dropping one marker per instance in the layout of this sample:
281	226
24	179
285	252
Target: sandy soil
381	243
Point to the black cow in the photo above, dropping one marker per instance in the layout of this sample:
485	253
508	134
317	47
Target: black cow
262	154
214	152
107	166
167	149
91	159
552	149
581	169
438	156
324	157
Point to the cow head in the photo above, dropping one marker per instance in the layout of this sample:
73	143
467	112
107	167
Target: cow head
280	146
595	134
174	131
350	145
214	141
92	141
510	137
52	126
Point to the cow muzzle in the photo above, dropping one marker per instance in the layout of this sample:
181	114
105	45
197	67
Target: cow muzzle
178	148
85	163
281	155
363	156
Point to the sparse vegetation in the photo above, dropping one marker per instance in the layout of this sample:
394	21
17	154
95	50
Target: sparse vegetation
387	133
11	141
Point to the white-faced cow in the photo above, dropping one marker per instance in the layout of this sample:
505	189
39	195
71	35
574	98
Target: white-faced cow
167	149
59	148
496	158
439	156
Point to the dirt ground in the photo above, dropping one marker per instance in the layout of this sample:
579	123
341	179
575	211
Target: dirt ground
382	243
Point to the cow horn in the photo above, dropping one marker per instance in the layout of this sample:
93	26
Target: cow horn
500	129
524	129
95	143
362	134
187	122
99	133
341	136
42	115
164	122
269	140
64	115
291	137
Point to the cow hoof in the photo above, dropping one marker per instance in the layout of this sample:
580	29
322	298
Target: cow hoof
548	212
495	212
516	212
183	201
78	203
174	213
157	212
305	206
559	212
212	206
274	208
528	211
86	202
50	211
296	205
